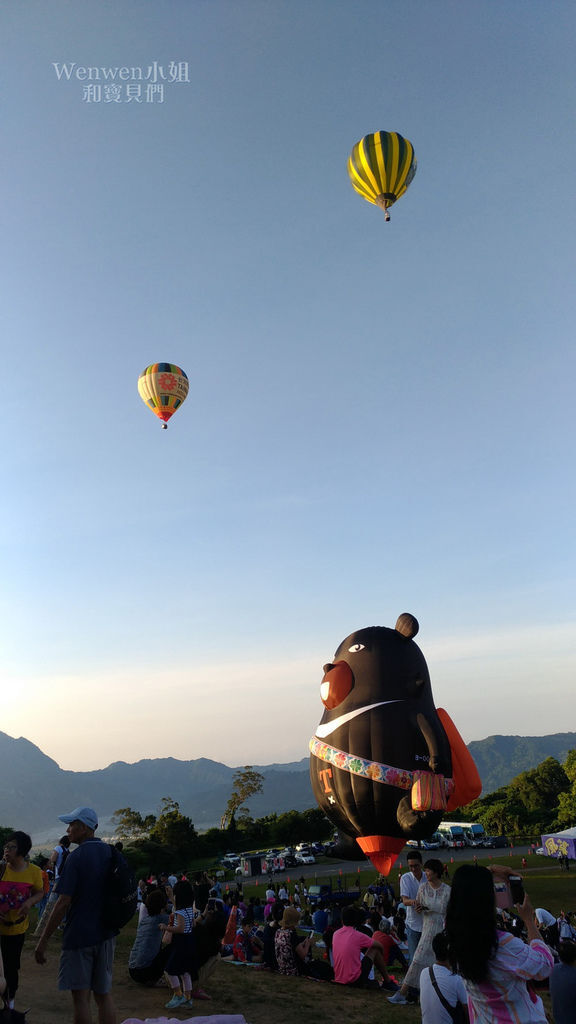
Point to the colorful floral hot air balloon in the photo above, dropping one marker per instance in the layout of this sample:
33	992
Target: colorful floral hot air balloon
381	167
163	386
385	765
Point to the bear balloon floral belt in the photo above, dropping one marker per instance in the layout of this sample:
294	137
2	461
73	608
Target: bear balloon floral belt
373	770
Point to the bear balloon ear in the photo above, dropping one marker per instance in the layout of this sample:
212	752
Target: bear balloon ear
407	625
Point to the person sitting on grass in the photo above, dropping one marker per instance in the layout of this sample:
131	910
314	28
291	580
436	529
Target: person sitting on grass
382	933
450	985
563	984
292	951
247	947
350	966
148	956
209	929
320	919
270	928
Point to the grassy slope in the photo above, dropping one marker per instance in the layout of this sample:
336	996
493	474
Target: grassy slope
257	994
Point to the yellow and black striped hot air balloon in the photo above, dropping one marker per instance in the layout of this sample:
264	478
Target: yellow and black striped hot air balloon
381	167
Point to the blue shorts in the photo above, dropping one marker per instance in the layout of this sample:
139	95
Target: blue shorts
87	969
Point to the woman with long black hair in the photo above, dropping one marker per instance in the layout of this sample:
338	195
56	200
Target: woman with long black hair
496	966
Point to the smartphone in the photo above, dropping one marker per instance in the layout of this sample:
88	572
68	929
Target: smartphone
211	905
516	888
503	897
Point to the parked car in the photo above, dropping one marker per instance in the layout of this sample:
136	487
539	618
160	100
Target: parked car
430	844
231	860
496	842
541	851
305	858
424	844
326	893
330	850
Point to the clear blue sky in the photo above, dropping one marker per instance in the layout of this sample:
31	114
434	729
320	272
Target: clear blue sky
380	416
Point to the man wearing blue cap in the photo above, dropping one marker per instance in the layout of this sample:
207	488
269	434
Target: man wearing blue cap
87	947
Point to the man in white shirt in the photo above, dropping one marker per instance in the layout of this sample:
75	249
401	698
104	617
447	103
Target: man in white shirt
409	885
451	986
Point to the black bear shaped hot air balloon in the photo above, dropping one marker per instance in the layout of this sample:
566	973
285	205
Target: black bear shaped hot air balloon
385	764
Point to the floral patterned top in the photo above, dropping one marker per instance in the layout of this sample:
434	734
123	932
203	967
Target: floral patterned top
285	942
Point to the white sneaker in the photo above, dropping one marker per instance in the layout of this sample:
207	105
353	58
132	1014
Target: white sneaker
397	998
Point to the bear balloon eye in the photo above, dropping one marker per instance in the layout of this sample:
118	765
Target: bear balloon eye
355	648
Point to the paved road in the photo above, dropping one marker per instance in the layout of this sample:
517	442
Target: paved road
350	867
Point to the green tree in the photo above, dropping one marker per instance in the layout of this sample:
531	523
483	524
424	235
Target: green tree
569	765
539	788
131	824
246	783
535	801
567	799
172	828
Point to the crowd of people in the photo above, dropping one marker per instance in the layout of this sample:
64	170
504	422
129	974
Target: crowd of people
459	953
464	958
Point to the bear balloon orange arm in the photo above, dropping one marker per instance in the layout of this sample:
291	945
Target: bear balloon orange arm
467	782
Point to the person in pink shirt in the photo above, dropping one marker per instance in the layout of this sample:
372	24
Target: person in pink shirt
348	945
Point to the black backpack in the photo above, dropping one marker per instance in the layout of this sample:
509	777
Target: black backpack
9	1016
120	896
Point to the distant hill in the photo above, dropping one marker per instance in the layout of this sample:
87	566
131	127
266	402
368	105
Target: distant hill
35	790
500	758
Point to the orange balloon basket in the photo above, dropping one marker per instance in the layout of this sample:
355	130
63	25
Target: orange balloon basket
382	850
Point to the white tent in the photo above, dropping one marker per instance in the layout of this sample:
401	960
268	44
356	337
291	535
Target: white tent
561	844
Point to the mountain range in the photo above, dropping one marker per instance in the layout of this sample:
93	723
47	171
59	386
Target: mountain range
35	790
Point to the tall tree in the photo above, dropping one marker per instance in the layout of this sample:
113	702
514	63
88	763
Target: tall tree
246	783
173	828
131	824
539	788
567	799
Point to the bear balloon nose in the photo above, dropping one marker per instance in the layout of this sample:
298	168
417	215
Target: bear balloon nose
336	685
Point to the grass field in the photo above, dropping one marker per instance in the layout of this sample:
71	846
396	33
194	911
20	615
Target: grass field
256	994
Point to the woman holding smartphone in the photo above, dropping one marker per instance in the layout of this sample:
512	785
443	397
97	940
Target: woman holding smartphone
495	965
